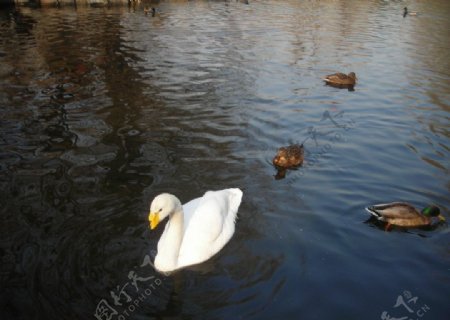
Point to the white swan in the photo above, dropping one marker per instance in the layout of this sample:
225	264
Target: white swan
195	231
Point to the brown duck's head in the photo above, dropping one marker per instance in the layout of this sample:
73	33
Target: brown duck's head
352	75
281	158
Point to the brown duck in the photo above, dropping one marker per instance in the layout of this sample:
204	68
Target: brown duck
289	157
341	79
404	215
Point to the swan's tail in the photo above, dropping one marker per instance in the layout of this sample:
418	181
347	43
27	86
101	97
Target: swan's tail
235	197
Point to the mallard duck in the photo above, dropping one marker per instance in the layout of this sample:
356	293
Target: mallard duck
341	80
406	12
404	215
289	157
196	230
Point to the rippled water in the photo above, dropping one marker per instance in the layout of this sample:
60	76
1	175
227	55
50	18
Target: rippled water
102	109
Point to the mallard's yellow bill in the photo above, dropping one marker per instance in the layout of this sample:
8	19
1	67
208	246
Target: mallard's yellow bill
441	217
153	218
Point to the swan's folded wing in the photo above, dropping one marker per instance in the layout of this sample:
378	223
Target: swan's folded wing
210	226
188	210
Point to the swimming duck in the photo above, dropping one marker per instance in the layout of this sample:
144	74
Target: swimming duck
289	157
404	215
406	12
341	80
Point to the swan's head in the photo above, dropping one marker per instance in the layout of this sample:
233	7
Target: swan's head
161	207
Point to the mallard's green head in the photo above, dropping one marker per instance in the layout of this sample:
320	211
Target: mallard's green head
433	211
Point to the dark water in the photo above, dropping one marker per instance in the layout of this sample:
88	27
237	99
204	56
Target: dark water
102	109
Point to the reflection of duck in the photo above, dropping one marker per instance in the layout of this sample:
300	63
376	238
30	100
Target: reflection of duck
281	174
341	80
406	12
289	157
195	231
404	215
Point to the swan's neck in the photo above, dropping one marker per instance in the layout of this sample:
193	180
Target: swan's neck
172	241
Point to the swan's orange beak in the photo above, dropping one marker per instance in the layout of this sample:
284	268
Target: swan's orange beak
153	218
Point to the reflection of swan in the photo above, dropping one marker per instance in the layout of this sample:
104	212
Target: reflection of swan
404	215
195	231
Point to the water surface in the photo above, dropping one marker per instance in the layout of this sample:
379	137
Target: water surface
104	108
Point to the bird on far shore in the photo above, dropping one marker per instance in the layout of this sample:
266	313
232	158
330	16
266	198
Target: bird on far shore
152	10
406	12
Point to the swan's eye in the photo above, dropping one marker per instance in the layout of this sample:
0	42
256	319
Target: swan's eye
160	210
